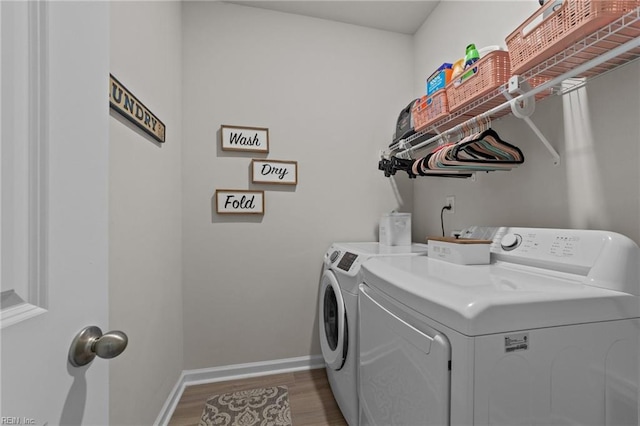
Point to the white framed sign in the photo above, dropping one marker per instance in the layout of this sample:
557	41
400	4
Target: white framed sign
239	201
274	171
238	138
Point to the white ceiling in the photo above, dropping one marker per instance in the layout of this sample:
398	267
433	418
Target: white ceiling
399	16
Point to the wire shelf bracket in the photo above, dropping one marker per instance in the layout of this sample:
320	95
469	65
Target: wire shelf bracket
525	108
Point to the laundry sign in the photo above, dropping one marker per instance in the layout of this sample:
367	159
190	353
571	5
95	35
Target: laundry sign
274	171
123	101
239	138
239	201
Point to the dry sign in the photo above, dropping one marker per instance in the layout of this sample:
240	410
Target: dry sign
239	201
123	101
274	171
253	139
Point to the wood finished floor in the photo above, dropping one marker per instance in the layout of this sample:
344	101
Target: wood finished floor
310	398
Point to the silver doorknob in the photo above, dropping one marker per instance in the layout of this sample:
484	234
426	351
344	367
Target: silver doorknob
90	342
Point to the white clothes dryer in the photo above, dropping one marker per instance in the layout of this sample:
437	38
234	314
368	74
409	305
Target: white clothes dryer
546	334
338	303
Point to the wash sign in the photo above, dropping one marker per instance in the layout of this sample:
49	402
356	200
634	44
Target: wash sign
123	101
242	138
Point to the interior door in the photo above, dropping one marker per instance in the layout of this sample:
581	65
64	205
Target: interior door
54	72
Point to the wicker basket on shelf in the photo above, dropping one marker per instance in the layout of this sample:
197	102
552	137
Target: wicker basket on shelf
538	39
492	71
430	109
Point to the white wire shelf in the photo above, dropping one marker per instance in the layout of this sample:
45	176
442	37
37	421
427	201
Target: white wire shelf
610	47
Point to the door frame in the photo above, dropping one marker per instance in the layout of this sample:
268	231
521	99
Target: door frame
33	171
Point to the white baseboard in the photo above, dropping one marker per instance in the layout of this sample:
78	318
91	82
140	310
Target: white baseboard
233	372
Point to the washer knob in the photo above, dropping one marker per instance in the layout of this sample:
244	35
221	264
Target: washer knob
334	256
510	241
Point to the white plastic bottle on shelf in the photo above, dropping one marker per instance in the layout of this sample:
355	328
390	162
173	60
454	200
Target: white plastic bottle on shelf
556	5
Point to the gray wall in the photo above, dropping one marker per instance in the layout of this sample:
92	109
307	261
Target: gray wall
596	131
329	94
194	289
145	212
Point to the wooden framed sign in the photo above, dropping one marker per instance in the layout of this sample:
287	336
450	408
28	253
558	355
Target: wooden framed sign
274	171
239	201
237	138
123	101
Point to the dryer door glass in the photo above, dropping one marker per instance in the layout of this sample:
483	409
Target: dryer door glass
332	322
331	317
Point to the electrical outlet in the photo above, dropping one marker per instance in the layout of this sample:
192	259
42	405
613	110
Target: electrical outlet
451	201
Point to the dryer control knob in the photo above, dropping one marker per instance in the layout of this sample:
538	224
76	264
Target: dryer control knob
334	256
510	241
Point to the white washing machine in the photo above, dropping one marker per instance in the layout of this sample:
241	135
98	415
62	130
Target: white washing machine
338	303
546	334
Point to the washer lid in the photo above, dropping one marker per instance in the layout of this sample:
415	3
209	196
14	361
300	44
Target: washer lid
377	249
495	298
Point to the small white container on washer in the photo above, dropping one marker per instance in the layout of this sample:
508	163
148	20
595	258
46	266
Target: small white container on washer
395	229
462	251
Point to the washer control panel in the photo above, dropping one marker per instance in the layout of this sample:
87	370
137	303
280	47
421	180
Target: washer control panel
343	260
347	260
565	249
608	259
510	241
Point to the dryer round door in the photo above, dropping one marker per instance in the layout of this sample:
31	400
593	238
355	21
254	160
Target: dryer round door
332	321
